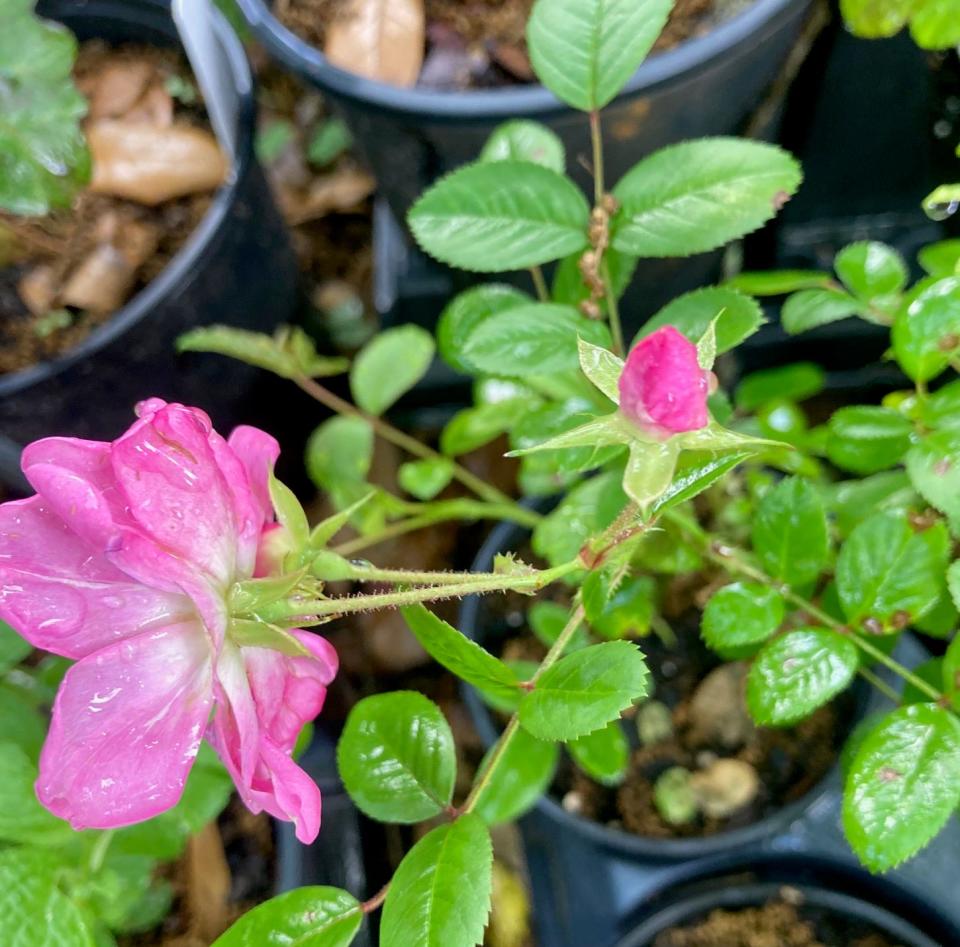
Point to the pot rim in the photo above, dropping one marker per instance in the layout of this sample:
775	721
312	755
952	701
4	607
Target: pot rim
618	840
824	884
199	244
511	101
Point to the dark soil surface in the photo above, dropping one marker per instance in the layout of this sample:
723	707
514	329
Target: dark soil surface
708	723
224	873
44	260
785	922
481	43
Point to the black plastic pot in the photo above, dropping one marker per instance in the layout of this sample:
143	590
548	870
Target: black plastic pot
705	86
237	267
830	892
588	879
337	857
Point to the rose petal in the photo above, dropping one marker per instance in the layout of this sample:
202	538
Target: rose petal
234	731
663	385
126	728
258	452
289	692
283	789
175	489
64	597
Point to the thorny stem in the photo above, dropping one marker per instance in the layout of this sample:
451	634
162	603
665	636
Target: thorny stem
596	139
503	743
540	284
599	193
731	559
410	444
367	572
98	853
368	907
345	605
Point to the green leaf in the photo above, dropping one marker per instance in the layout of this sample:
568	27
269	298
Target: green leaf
698	195
272	140
585	51
738	316
503	215
13	648
20	722
465	312
627	612
867	439
602	367
306	917
588	508
440	894
500	700
43	154
697	470
871	270
547	619
425	478
537	338
887	575
389	366
339	451
473	427
289	353
22	818
798	672
523	140
874	19
903	785
811	308
936	24
585	691
33	910
778	282
522	776
790	535
603	755
852	501
795	382
741	615
934	469
941	258
330	139
927	331
458	654
396	757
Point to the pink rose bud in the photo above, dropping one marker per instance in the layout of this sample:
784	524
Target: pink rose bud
663	389
124	561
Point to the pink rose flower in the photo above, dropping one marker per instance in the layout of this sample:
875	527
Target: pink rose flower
663	389
124	561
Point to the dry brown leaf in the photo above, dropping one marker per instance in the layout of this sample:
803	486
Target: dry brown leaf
208	884
340	191
152	165
510	911
379	39
100	282
155	108
113	91
38	289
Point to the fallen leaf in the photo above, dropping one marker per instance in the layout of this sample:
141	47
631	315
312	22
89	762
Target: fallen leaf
340	191
114	90
379	39
208	884
153	165
37	288
100	282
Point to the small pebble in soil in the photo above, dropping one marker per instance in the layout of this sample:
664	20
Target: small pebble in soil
654	722
727	786
718	713
572	802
